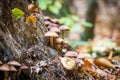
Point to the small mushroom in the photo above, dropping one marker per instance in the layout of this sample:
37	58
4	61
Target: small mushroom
12	68
14	63
63	30
47	18
5	68
12	72
51	35
71	54
84	55
58	42
47	23
51	25
55	21
23	67
68	63
55	29
103	62
33	8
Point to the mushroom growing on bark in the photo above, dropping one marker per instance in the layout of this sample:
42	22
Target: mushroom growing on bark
51	35
68	63
5	68
63	30
23	67
71	54
55	29
12	72
33	8
55	21
58	42
14	63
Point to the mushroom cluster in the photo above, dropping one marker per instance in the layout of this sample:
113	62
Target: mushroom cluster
56	33
11	69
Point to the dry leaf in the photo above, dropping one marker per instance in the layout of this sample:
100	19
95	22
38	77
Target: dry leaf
32	19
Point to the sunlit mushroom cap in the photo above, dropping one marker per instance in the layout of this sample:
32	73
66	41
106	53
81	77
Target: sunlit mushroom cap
59	40
5	67
68	63
84	55
23	66
14	63
71	54
12	68
55	29
51	34
56	21
64	28
32	6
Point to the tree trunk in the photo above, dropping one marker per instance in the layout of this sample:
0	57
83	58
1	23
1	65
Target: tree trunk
90	17
25	42
17	35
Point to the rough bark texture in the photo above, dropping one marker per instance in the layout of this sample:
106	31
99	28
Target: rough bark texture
16	35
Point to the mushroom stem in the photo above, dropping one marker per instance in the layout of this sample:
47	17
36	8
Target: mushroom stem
6	75
110	55
51	42
63	34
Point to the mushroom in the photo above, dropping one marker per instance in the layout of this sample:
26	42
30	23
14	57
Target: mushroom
55	29
33	8
55	21
103	62
84	55
71	54
68	63
5	68
47	18
58	41
47	23
52	25
12	72
23	67
14	63
63	30
12	68
51	35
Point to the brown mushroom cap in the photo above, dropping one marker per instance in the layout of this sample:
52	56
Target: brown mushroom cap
71	54
84	55
59	40
64	28
52	25
47	18
47	23
14	63
55	29
12	68
23	66
56	21
32	6
5	67
51	34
